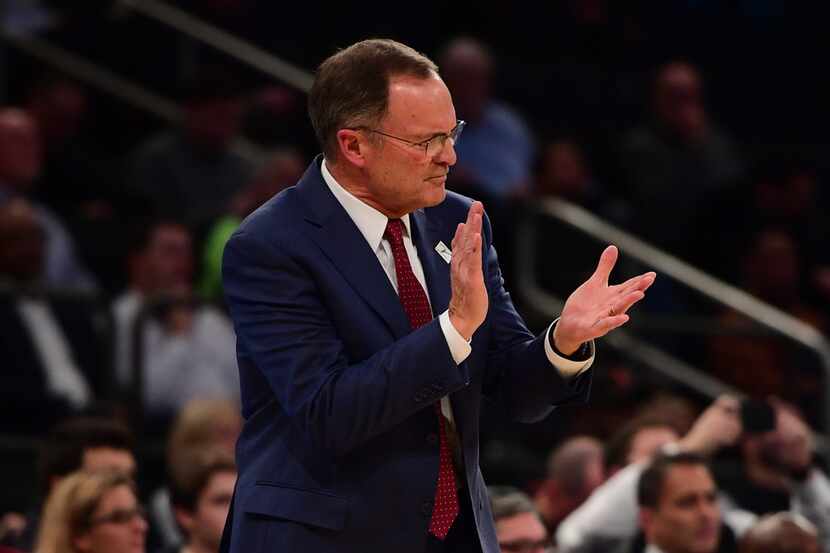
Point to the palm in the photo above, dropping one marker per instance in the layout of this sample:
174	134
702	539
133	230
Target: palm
595	308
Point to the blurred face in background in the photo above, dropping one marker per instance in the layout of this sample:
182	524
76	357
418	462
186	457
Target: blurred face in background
468	71
563	171
116	525
109	458
20	149
687	516
205	524
772	268
59	109
679	101
167	261
22	242
213	123
521	533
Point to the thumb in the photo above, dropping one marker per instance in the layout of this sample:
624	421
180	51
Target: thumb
606	264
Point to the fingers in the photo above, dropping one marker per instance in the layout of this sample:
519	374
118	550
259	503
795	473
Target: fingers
639	282
606	264
728	403
623	305
465	231
606	324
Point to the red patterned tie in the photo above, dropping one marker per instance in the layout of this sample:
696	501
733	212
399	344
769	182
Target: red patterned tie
416	305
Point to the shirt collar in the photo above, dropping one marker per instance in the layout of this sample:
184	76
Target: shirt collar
369	221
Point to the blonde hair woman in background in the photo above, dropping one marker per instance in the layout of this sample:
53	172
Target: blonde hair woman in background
93	512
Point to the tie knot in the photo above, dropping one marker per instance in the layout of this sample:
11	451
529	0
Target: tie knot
394	231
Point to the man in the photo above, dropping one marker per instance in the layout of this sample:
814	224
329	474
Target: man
607	521
81	443
202	491
368	306
679	511
192	173
575	469
54	359
186	351
21	162
679	167
519	526
468	69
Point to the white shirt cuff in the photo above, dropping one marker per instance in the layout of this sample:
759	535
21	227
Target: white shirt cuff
566	367
459	347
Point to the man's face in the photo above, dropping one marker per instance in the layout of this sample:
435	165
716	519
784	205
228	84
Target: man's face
207	522
169	259
108	458
522	533
687	517
20	150
401	177
22	242
212	124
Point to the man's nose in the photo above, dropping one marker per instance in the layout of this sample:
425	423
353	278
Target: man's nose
447	153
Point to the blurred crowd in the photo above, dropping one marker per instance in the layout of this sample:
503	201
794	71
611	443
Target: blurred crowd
114	332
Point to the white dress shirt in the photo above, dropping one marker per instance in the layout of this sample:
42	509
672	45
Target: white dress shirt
63	377
372	224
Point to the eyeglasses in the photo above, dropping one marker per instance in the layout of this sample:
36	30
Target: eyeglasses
527	546
120	516
431	146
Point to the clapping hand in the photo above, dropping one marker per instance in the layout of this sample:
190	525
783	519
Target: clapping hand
596	308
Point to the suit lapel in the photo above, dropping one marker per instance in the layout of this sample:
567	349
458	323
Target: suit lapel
426	235
331	228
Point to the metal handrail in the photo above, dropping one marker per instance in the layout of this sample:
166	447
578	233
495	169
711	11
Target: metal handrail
103	79
241	50
720	292
651	356
95	75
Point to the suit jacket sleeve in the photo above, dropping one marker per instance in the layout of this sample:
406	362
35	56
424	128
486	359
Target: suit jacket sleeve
284	328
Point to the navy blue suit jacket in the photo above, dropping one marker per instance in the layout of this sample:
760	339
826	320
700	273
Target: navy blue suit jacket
338	450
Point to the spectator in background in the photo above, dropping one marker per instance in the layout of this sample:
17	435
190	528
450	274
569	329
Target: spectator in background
80	180
187	350
52	347
772	271
21	162
495	158
781	533
192	173
78	444
776	471
93	512
575	469
777	474
607	521
283	169
201	427
677	166
496	155
679	511
519	528
564	173
202	497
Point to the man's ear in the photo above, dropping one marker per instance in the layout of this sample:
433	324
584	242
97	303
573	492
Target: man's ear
646	517
184	518
351	146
